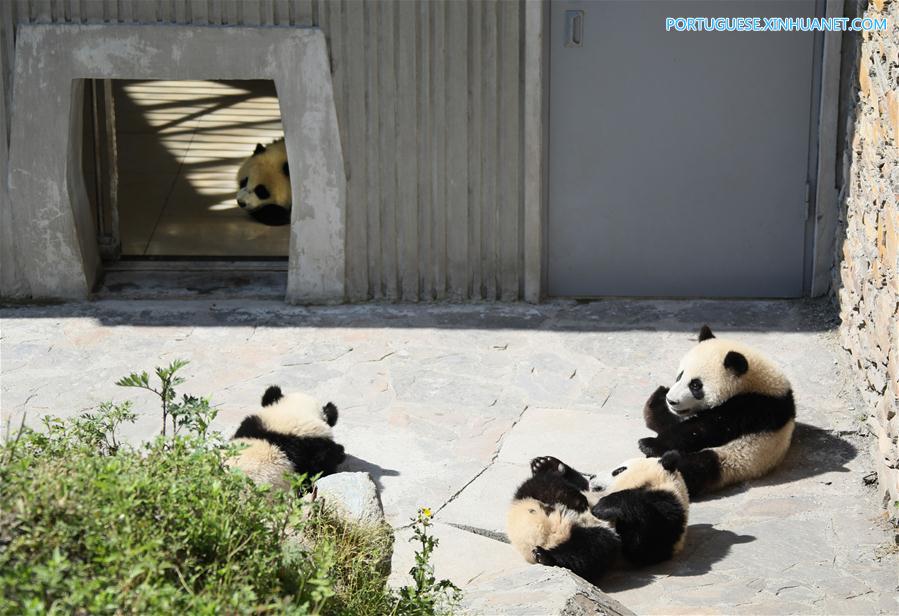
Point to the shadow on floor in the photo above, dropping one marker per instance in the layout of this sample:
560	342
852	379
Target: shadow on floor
352	464
705	546
613	315
813	452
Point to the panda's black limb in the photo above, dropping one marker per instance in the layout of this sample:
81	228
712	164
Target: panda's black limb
656	414
588	552
272	215
649	522
543	557
552	490
330	411
271	395
548	465
739	416
701	471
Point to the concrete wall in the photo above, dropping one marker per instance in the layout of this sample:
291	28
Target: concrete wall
430	103
867	276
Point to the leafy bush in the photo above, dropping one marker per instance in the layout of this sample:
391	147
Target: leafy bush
91	525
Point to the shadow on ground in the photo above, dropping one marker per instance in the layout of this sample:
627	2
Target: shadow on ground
814	451
705	546
207	310
353	464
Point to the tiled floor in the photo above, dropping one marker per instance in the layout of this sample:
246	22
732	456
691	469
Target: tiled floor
179	146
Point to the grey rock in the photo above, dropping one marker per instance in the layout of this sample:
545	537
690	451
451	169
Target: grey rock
353	495
540	591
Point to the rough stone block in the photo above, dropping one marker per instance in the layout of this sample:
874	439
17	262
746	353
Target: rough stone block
869	299
892	113
460	556
544	591
353	495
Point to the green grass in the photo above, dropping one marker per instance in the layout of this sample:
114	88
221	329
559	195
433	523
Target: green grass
89	525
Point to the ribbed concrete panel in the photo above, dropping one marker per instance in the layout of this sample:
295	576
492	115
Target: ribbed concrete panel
429	98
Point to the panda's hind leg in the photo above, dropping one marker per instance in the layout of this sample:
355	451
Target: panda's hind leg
656	414
549	465
588	552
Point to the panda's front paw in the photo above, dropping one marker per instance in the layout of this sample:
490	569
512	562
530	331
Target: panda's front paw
543	557
656	414
657	399
547	465
650	447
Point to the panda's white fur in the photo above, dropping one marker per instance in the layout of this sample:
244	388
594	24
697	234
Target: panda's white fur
754	455
263	184
287	434
730	410
706	361
262	462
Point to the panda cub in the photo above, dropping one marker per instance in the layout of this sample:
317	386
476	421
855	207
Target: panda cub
730	412
647	501
556	518
289	434
263	184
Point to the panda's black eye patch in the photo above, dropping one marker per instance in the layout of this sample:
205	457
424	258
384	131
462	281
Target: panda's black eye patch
679	375
262	192
696	388
619	470
243	183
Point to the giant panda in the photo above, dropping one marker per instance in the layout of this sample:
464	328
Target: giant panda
549	522
288	434
559	518
647	501
263	184
730	412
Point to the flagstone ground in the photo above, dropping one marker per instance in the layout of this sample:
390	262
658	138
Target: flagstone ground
444	405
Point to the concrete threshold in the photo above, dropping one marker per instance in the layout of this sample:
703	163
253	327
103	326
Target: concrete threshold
177	279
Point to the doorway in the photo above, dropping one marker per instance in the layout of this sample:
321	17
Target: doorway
179	146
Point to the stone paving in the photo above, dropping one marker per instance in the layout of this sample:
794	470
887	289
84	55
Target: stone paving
444	405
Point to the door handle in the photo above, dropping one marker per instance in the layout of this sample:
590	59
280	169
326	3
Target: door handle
574	28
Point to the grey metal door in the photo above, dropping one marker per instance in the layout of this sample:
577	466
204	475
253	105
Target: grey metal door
678	161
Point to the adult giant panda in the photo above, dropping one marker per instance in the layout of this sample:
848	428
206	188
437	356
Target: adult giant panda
730	412
263	184
289	434
558	518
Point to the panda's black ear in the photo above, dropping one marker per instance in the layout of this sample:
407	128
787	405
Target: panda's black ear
705	333
736	363
271	395
286	169
330	412
670	460
259	149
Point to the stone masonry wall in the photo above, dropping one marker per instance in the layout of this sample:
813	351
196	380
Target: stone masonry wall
867	278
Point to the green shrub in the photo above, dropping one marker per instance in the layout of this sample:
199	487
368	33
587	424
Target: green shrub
89	525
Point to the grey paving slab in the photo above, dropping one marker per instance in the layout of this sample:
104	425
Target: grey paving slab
444	405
